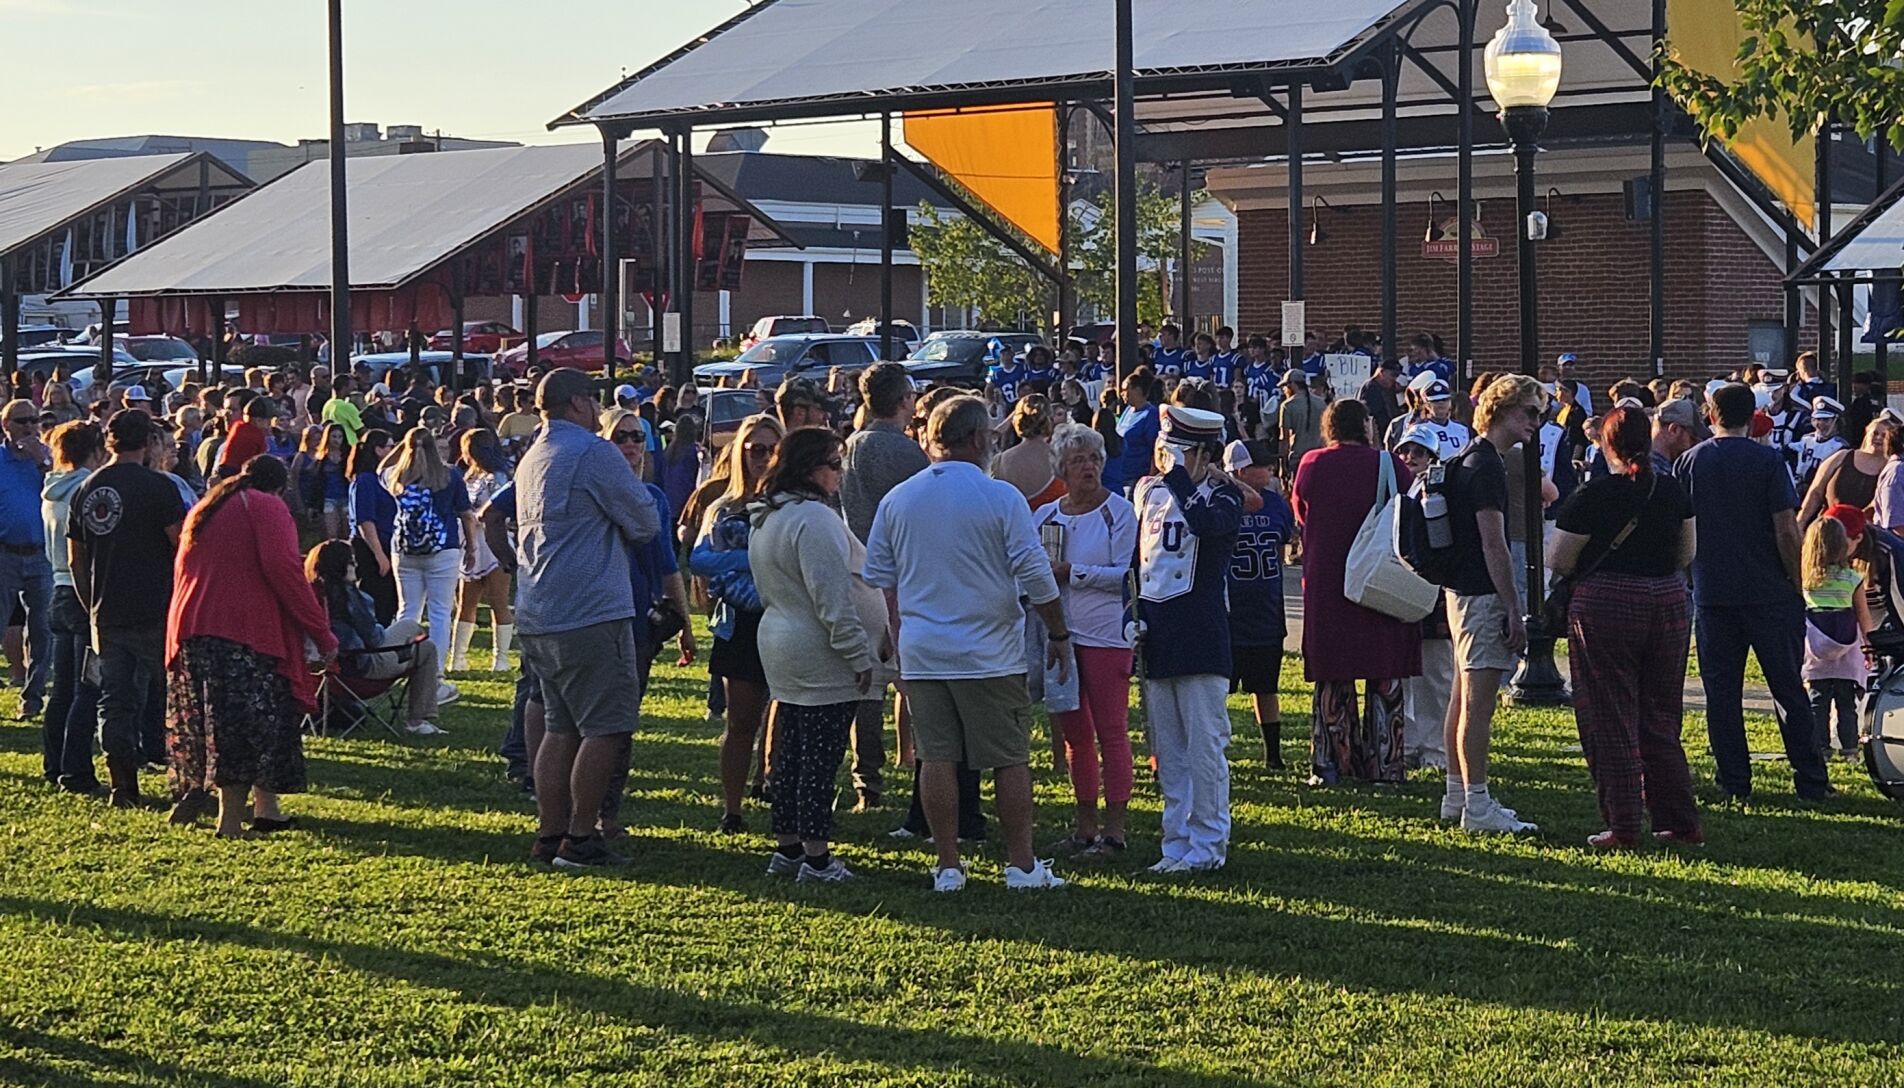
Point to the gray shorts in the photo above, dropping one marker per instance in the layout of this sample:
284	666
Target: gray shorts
984	724
1480	632
589	684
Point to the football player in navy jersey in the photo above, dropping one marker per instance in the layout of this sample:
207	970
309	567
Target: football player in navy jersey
1007	375
1424	357
1201	362
1229	361
1040	371
1257	623
1167	359
1188	514
1259	372
1312	348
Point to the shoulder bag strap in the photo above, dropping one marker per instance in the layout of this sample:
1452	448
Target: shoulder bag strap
1384	479
1620	537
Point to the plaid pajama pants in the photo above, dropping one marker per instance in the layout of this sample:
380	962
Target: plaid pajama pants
1627	639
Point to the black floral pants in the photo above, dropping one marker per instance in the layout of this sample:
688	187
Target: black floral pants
809	743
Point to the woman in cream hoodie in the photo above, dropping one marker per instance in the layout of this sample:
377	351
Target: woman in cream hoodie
822	640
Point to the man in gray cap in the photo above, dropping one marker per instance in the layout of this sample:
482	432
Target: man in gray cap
1678	425
578	510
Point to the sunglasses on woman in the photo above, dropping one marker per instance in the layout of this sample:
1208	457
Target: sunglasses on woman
627	438
756	449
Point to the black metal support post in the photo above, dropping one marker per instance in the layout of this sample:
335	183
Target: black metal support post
1794	302
1880	167
611	258
9	318
1292	126
1656	256
885	236
1123	81
340	221
1847	321
659	275
1827	344
108	309
1464	192
1537	683
1183	248
1391	83
206	367
685	216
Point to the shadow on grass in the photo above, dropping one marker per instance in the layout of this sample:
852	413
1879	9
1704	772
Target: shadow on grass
483	980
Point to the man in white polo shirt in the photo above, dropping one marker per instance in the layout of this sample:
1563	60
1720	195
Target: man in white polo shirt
958	548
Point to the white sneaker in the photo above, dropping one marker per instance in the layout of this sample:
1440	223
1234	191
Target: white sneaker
458	664
422	729
1210	866
1040	876
1170	865
949	880
835	872
779	864
901	834
1495	819
1451	808
446	692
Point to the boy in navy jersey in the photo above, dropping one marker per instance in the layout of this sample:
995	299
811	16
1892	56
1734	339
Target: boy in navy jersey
1257	623
1229	361
1187	522
1167	360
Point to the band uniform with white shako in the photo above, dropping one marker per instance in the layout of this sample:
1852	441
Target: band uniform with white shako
1185	535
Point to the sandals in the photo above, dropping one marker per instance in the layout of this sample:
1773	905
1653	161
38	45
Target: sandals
1106	848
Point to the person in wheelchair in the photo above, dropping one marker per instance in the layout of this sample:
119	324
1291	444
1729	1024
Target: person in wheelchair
371	651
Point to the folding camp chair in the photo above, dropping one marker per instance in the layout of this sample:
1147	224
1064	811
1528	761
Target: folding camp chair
346	702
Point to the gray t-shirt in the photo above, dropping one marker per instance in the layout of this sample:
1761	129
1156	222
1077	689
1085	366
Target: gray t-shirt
579	511
878	458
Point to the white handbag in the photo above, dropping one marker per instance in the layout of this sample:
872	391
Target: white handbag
1375	576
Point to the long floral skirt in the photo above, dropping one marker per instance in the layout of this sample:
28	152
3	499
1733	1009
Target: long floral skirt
233	721
1364	744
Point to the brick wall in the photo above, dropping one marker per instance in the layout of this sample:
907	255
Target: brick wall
1593	283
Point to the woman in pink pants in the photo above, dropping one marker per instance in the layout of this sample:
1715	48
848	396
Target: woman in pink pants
1092	532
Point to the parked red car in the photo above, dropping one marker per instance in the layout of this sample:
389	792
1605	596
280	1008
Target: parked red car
582	350
480	337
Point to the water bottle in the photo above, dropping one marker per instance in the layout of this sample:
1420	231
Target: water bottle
1434	511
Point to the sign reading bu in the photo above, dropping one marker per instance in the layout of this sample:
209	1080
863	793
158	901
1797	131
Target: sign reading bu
1446	241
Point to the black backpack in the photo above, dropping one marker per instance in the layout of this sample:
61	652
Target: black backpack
1437	565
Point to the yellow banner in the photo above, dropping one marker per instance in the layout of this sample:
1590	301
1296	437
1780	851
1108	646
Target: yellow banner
1705	34
1006	157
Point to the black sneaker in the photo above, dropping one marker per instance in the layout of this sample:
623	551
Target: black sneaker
589	853
544	850
732	824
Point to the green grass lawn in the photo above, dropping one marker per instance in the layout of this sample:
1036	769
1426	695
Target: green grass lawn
401	939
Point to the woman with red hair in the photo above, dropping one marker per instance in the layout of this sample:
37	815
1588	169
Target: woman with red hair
1625	540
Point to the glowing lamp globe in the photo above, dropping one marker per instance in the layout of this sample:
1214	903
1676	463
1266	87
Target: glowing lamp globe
1522	60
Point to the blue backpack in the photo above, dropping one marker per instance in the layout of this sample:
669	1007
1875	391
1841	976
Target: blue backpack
420	531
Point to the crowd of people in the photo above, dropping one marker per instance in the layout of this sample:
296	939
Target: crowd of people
191	571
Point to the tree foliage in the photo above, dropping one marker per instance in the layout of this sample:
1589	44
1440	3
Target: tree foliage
1159	235
1804	60
966	266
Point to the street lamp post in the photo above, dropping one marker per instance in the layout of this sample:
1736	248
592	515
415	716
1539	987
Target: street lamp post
1523	74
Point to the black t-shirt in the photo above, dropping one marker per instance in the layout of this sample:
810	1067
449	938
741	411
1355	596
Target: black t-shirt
1602	508
1383	406
1476	481
121	515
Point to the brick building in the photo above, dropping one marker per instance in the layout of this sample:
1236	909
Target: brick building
1724	303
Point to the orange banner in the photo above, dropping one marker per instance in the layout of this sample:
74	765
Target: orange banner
1006	157
1705	35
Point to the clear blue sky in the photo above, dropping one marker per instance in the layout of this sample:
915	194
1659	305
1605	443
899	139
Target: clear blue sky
255	69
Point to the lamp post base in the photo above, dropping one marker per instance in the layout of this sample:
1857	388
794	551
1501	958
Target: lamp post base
1538	681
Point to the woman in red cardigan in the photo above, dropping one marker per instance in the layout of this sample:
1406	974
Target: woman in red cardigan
243	624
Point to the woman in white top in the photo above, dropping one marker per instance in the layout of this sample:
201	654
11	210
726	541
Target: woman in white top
1099	531
820	643
485	472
